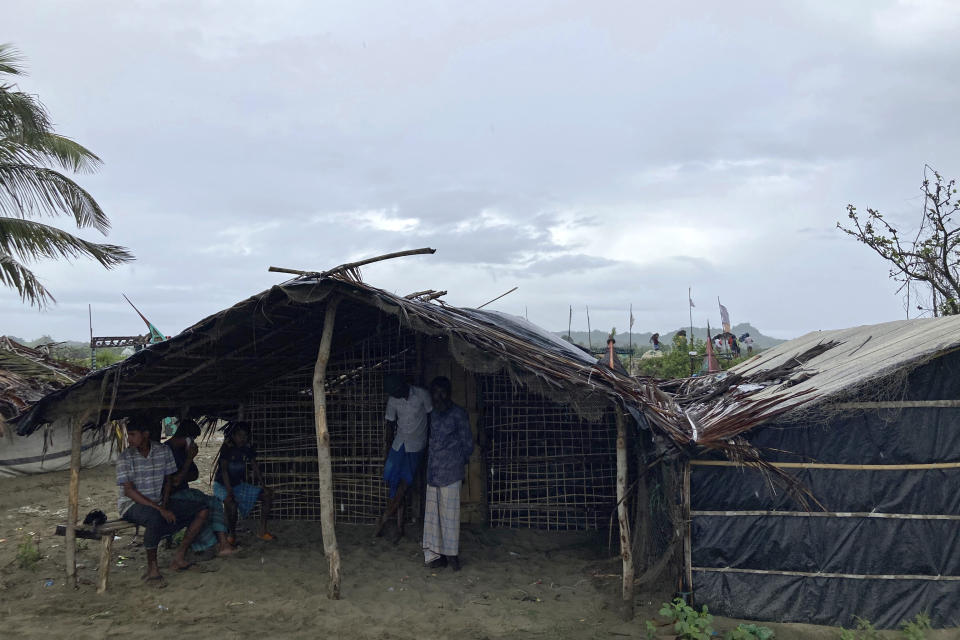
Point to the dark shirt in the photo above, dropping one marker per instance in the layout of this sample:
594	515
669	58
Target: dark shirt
451	444
235	459
180	455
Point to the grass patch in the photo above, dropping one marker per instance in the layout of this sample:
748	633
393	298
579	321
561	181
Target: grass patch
28	553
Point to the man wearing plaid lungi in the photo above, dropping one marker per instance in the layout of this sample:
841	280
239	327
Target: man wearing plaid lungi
451	443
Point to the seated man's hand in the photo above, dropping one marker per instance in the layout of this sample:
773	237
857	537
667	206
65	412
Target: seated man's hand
168	515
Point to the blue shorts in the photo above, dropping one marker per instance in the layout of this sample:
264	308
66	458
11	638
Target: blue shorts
400	466
245	494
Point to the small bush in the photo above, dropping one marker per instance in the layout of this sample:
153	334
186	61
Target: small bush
650	630
688	623
749	632
915	629
864	631
28	553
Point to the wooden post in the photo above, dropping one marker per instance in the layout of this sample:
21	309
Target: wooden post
73	504
106	553
623	515
330	548
687	524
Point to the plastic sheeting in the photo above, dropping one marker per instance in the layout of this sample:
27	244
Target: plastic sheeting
749	554
827	600
49	450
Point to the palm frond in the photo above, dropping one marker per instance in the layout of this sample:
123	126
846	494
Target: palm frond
47	148
22	113
13	274
27	191
29	240
10	60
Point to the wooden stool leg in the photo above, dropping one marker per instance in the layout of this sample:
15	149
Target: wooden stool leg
106	555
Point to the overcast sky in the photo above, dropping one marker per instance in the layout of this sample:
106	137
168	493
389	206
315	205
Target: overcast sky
595	154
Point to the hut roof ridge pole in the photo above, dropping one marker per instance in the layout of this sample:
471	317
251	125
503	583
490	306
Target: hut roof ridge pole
353	265
324	464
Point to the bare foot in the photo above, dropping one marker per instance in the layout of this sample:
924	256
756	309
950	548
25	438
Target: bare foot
227	550
157	581
179	564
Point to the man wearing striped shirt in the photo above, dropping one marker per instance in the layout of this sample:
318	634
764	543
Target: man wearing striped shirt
146	471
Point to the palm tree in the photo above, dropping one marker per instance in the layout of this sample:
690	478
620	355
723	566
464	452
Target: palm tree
32	186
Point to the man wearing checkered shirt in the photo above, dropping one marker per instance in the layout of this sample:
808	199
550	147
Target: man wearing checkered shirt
146	471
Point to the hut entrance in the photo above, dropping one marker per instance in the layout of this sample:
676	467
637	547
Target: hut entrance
281	414
538	463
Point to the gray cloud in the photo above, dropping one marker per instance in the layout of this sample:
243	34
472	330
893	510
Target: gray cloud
595	155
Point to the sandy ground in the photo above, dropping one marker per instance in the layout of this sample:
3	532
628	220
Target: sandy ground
514	584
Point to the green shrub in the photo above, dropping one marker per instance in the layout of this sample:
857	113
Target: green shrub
688	623
650	630
749	632
915	629
864	631
28	553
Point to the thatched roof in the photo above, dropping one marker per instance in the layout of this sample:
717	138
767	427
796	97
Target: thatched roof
820	370
210	366
27	375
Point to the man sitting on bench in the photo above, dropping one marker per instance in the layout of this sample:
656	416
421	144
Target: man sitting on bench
146	472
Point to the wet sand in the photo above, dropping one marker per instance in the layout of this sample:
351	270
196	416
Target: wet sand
514	583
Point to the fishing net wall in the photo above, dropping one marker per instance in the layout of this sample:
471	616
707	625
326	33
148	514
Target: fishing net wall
281	415
656	501
548	467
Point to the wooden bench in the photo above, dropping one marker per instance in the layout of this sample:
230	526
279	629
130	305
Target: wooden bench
104	533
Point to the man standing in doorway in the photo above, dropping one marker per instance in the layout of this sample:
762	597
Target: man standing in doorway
405	439
451	443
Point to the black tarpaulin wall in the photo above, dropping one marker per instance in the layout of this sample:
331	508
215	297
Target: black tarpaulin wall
756	565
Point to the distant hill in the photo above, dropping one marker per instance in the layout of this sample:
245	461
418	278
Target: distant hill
641	341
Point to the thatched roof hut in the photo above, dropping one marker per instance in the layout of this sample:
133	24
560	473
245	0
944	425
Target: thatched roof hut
554	426
26	376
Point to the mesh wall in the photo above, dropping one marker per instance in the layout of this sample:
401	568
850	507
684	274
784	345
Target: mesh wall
548	468
281	414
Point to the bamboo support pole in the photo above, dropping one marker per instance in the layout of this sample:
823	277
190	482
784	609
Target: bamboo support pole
687	525
824	465
846	576
823	514
73	504
106	557
73	501
623	515
325	468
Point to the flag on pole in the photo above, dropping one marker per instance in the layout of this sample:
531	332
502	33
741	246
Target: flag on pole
589	331
691	302
710	363
724	317
631	316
